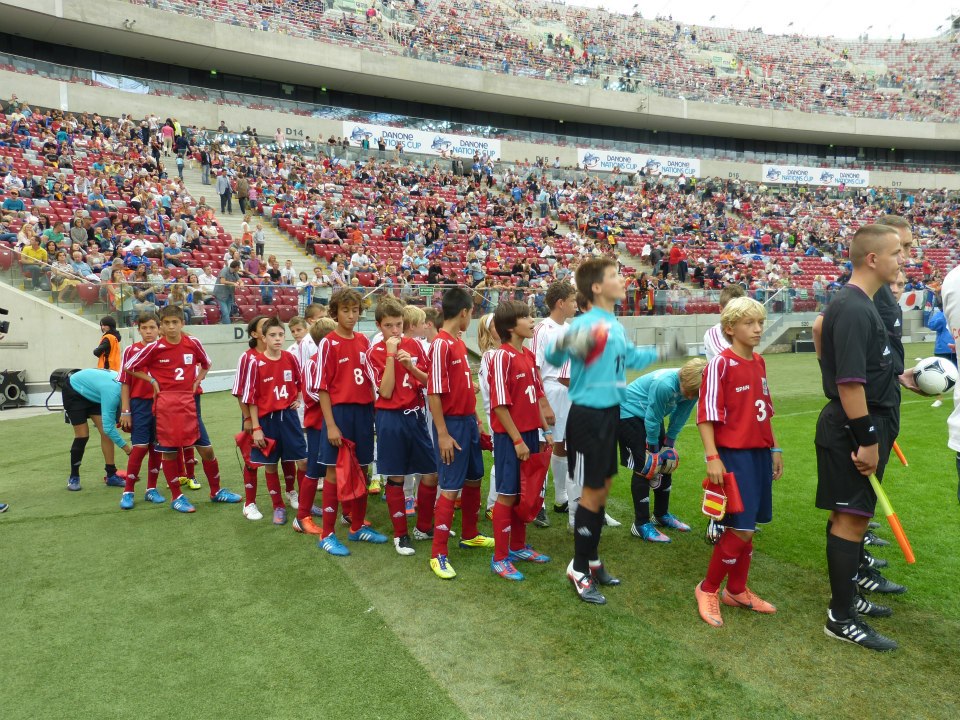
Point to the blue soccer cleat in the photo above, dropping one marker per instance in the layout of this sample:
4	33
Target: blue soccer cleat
672	521
280	516
648	532
505	569
4	507
333	546
126	501
113	481
153	495
181	504
73	483
529	554
225	496
367	534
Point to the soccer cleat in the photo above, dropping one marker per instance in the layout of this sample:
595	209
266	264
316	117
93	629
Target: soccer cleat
748	601
4	507
585	586
73	483
367	534
333	546
562	508
708	605
374	487
181	504
403	546
153	495
316	511
541	520
505	569
225	496
936	403
528	554
419	534
871	538
280	516
856	631
252	512
873	525
489	513
191	483
871	609
410	506
672	521
126	501
477	541
649	532
442	568
873	581
874	562
293	500
344	519
602	576
610	521
307	526
113	481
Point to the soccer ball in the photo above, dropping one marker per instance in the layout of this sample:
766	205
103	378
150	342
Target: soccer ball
935	375
586	343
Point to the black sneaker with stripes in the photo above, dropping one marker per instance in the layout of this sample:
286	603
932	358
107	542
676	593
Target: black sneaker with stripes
856	631
873	581
871	538
874	562
870	609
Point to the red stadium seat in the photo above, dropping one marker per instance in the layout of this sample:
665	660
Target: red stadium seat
212	313
89	293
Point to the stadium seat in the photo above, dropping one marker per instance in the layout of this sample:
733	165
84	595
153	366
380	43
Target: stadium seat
212	313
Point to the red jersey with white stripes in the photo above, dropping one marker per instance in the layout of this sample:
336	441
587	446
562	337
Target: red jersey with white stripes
515	384
407	390
138	388
343	369
244	368
312	413
449	375
173	366
273	384
734	396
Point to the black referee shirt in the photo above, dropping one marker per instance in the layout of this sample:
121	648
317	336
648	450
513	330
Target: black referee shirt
855	349
892	316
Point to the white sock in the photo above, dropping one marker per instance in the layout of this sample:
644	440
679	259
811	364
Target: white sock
558	465
573	498
492	492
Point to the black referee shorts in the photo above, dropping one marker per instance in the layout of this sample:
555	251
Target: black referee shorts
592	444
840	486
77	408
633	442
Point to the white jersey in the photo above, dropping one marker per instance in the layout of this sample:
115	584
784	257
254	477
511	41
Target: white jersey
714	342
950	292
483	379
545	335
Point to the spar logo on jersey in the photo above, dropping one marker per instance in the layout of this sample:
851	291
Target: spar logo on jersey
359	134
288	375
826	177
773	174
590	161
188	358
440	143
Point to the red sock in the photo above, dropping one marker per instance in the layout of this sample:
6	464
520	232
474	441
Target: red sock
358	513
171	471
308	494
211	468
396	506
502	521
301	474
725	554
190	462
153	469
329	501
442	520
134	463
470	510
518	532
249	484
426	500
289	474
737	577
273	487
181	465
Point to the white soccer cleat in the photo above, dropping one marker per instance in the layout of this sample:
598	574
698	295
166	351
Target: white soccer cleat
252	512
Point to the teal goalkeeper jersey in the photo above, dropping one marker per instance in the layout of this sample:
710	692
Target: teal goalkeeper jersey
101	386
653	398
602	384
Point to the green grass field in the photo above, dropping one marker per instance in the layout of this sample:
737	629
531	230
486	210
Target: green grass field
152	614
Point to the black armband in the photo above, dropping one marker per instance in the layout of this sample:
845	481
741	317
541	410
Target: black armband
864	431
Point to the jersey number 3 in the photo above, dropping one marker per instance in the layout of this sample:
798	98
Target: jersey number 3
762	413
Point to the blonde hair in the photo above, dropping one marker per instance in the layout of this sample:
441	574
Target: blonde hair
296	322
691	375
738	309
487	337
413	316
321	328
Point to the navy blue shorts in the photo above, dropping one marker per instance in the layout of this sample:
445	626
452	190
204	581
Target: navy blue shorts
314	469
283	426
204	439
467	461
403	444
505	460
753	470
142	423
355	422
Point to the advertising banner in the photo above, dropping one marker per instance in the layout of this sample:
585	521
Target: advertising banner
798	175
607	160
422	141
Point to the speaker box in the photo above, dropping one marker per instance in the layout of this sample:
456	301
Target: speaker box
13	389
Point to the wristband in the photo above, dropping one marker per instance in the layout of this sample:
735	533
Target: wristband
126	412
518	441
708	458
389	355
776	450
254	429
864	431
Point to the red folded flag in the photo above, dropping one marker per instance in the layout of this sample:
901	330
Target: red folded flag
486	441
533	478
351	480
176	419
729	489
244	441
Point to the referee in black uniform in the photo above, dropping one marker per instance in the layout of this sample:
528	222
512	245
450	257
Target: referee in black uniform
855	430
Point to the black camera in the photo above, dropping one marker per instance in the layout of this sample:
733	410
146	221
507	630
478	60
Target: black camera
4	325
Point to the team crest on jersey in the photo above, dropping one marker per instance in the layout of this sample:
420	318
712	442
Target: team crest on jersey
766	391
188	358
288	375
363	357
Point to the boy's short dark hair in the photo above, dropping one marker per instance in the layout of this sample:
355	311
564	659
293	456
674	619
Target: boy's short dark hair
272	322
455	301
344	298
296	321
314	310
434	317
109	321
388	307
559	290
252	328
506	315
172	311
592	272
145	317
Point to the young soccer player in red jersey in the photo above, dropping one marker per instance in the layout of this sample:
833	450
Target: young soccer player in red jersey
516	421
342	382
403	443
241	380
136	417
456	432
178	363
733	416
273	396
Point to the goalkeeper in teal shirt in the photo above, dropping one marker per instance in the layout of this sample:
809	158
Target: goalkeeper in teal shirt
647	442
599	355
